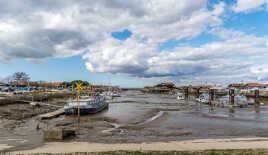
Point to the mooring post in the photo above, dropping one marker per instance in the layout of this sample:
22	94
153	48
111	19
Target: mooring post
257	101
198	92
211	94
257	95
231	96
186	92
231	100
211	98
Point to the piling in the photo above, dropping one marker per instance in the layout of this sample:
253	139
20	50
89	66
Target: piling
211	94
257	95
198	92
231	99
186	92
231	96
257	101
211	98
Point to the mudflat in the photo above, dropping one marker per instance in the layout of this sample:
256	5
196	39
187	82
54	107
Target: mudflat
135	119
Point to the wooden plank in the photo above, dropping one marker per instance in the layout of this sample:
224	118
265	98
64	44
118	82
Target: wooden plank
52	114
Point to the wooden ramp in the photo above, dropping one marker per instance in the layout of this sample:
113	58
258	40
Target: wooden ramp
52	114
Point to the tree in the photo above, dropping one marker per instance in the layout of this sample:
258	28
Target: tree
72	83
20	77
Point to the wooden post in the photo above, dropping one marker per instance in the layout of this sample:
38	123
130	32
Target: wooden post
186	91
211	95
198	92
257	95
211	99
231	96
257	101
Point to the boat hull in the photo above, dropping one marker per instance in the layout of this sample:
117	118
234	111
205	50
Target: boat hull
85	111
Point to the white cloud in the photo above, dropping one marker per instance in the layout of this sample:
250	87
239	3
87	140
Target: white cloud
115	56
267	44
48	29
230	59
43	30
247	5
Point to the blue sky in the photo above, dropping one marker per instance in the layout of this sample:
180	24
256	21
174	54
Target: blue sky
212	41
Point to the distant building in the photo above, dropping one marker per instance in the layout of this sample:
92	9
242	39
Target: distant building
255	86
237	86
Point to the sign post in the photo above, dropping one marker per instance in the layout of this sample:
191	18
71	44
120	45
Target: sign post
78	87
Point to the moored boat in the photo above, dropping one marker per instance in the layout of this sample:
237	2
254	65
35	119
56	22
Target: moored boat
203	98
180	96
87	105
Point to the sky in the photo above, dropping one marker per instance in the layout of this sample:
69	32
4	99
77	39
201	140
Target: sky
135	43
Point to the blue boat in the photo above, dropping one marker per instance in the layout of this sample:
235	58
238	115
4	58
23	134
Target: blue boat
88	105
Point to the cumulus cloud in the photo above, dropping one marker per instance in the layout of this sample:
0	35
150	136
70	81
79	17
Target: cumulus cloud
221	60
248	5
260	71
39	30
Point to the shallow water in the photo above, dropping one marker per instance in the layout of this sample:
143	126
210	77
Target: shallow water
137	117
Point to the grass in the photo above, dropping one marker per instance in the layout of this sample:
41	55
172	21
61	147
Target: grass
209	152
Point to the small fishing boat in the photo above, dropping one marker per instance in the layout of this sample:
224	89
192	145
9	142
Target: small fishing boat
116	94
180	96
203	98
87	105
240	100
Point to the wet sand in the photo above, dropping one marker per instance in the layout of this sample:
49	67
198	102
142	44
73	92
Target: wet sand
188	145
135	118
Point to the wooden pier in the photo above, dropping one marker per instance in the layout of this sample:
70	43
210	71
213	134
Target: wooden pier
39	103
52	114
49	115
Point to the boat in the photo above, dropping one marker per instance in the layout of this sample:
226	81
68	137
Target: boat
240	100
219	90
87	105
180	96
116	94
107	95
203	98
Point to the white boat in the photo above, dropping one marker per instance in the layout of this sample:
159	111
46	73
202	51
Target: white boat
240	100
87	105
203	98
107	95
116	94
180	96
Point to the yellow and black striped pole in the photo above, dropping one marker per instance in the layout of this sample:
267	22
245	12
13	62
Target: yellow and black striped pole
78	87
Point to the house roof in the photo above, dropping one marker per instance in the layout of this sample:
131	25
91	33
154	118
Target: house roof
264	85
168	83
22	83
98	86
253	84
237	84
195	87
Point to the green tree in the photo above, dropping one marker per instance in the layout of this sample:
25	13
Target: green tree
72	83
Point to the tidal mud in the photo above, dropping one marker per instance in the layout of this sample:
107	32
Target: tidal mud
134	118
